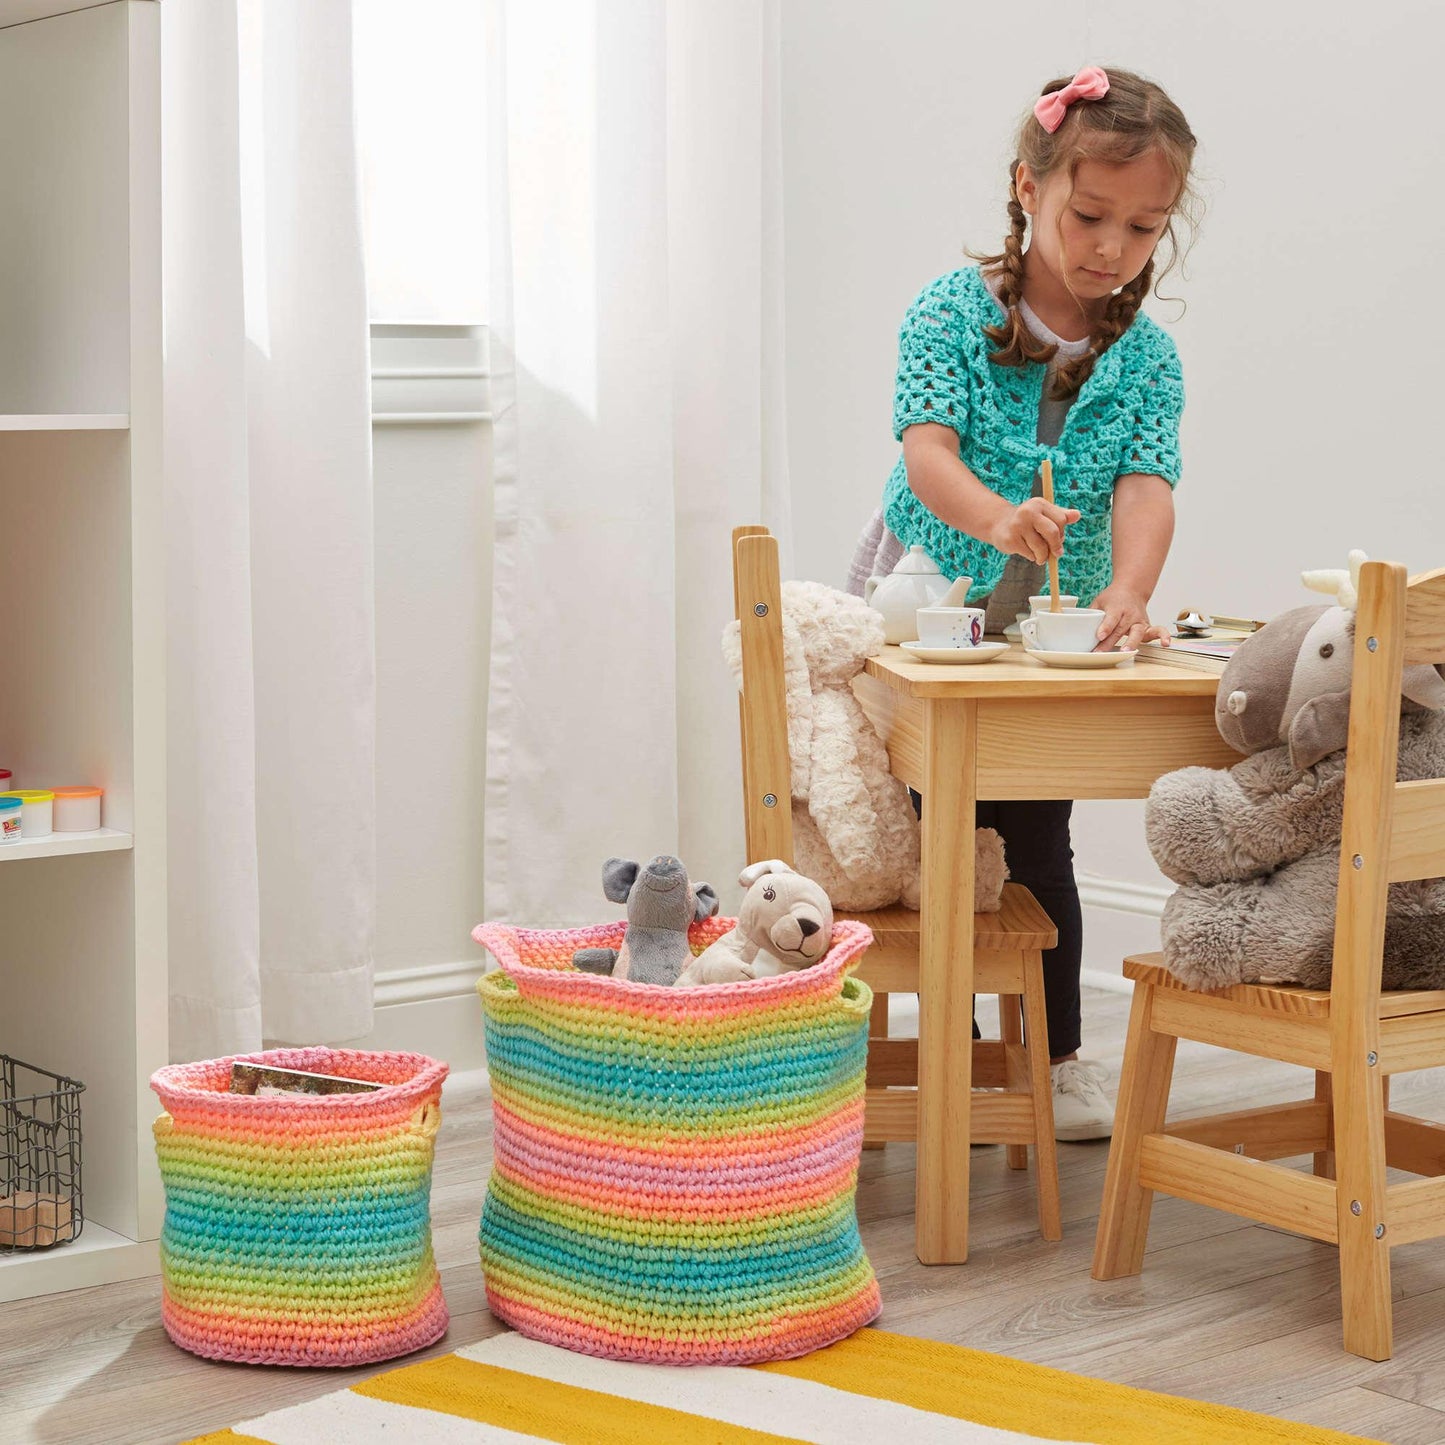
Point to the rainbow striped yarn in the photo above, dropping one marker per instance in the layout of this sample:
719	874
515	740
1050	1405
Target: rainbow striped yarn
675	1169
298	1228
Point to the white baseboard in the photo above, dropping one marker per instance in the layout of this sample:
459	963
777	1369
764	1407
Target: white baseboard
432	1009
1124	919
1119	896
1109	982
429	982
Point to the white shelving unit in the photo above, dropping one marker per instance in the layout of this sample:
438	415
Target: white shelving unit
105	421
60	845
82	696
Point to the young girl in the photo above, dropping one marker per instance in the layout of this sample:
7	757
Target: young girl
1042	352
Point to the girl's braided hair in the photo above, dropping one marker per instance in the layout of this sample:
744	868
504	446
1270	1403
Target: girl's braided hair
1132	119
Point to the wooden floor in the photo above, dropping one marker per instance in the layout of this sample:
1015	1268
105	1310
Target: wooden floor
1224	1310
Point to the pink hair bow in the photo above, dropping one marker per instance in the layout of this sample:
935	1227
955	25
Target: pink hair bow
1089	84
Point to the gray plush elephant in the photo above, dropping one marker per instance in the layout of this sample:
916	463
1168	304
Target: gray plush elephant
661	905
1255	849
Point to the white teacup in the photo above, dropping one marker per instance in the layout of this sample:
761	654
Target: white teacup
1041	604
1075	629
950	626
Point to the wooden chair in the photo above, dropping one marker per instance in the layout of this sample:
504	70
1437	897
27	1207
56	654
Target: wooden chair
1013	1099
1353	1036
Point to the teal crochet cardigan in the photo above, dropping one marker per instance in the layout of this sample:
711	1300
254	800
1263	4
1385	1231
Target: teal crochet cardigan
1125	419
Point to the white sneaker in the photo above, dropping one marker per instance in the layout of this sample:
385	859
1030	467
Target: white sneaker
1081	1107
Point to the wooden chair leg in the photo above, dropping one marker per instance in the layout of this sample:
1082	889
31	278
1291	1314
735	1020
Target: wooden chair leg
1143	1103
1324	1092
877	1029
1360	1198
1010	1031
1046	1151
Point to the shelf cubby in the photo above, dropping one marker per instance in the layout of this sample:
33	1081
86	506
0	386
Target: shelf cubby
83	978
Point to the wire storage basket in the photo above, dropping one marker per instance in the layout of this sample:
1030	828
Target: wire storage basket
40	1199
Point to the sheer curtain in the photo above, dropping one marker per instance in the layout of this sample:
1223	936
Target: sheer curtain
269	528
635	186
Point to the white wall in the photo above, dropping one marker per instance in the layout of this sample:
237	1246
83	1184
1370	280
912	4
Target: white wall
433	629
1310	344
1316	254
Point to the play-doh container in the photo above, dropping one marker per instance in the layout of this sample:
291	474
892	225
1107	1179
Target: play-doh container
77	810
37	811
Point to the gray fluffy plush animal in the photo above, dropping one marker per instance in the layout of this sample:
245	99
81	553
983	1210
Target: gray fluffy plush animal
661	905
1255	850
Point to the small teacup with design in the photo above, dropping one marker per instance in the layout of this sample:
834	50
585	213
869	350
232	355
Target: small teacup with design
950	626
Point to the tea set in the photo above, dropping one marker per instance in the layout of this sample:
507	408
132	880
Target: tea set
924	614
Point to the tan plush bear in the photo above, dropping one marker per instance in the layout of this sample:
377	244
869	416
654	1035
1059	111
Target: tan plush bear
854	829
785	923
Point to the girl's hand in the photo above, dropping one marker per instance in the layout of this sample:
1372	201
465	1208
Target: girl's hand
1034	529
1126	621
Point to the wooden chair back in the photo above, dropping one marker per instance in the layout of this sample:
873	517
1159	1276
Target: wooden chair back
1391	831
767	763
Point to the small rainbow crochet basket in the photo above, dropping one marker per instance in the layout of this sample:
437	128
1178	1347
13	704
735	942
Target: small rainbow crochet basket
675	1169
298	1227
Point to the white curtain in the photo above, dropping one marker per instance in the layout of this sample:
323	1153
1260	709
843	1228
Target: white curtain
637	374
272	813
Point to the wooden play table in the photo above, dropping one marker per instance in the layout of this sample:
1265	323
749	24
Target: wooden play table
1006	729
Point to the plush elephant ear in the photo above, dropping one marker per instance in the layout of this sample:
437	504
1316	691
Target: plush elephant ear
1320	727
1425	686
799	691
704	902
618	876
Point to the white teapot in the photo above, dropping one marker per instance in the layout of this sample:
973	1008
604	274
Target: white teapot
915	582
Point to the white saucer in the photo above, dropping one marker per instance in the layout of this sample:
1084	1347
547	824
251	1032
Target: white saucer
1081	659
984	652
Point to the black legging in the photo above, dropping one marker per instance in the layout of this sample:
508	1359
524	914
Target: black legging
1037	848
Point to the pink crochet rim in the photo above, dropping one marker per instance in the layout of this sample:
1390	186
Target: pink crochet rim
205	1080
507	942
862	1309
429	1325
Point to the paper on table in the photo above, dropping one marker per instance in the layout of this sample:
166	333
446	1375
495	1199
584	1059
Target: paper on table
1209	654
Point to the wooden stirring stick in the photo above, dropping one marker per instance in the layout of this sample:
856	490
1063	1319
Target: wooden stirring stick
1055	605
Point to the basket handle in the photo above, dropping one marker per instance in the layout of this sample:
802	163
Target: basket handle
163	1125
428	1119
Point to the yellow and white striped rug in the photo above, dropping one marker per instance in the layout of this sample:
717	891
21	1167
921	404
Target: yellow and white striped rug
876	1387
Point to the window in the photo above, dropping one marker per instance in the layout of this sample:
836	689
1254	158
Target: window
421	70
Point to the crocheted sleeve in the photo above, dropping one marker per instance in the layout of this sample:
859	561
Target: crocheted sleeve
1153	446
932	377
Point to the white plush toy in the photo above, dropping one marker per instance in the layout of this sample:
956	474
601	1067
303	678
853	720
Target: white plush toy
785	923
854	829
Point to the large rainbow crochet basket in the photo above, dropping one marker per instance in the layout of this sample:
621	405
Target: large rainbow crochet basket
298	1228
675	1169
